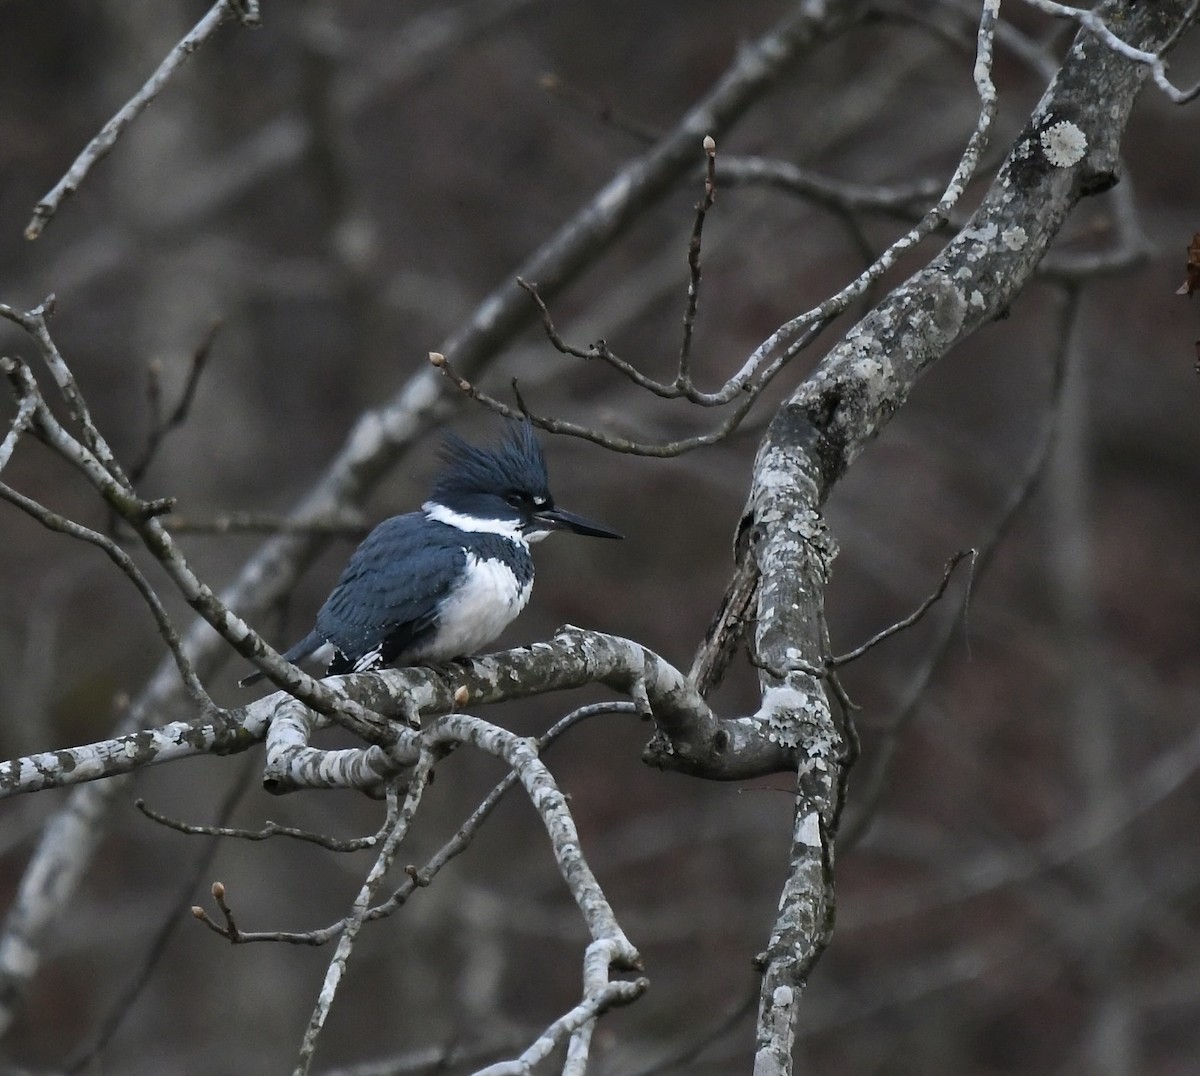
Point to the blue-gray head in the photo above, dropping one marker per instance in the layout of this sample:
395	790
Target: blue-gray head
505	485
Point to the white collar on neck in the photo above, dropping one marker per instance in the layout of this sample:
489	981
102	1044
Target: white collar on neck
506	528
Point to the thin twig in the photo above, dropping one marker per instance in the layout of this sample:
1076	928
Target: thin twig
908	621
35	322
20	423
601	110
160	426
94	460
599	350
874	784
684	377
419	878
345	524
660	450
230	931
831	193
53	521
1152	60
269	829
121	1007
100	146
786	341
612	994
417	784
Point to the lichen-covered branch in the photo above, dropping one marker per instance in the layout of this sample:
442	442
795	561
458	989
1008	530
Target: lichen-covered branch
1068	149
689	738
358	914
609	947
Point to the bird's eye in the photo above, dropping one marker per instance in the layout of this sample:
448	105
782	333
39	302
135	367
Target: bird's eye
515	500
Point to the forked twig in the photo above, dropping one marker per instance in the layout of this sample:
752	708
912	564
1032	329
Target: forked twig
1154	61
613	442
420	877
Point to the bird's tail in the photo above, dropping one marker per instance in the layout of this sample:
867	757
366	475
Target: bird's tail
308	645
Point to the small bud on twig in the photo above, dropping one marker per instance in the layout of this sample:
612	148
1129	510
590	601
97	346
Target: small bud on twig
710	145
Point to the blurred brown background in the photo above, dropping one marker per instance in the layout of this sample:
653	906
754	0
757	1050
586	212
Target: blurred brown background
341	191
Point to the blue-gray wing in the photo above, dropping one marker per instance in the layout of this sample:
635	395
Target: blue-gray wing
387	598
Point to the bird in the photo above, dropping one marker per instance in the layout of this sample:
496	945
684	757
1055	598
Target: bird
441	583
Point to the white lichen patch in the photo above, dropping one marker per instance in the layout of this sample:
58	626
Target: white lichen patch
808	830
977	299
981	235
781	731
785	710
1064	144
1013	238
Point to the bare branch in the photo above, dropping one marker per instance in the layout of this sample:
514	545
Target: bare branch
88	1053
684	378
266	832
832	193
362	904
35	323
578	1022
1154	61
689	737
613	442
789	339
609	946
419	878
602	111
95	461
161	425
873	785
911	619
794	551
21	422
100	146
60	524
599	350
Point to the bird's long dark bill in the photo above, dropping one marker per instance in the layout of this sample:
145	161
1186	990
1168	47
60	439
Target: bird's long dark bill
557	519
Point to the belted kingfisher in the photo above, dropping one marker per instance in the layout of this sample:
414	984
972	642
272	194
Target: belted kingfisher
443	582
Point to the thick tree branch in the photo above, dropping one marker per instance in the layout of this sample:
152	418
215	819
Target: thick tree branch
1068	149
689	738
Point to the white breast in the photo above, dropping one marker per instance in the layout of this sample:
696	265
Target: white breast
483	605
